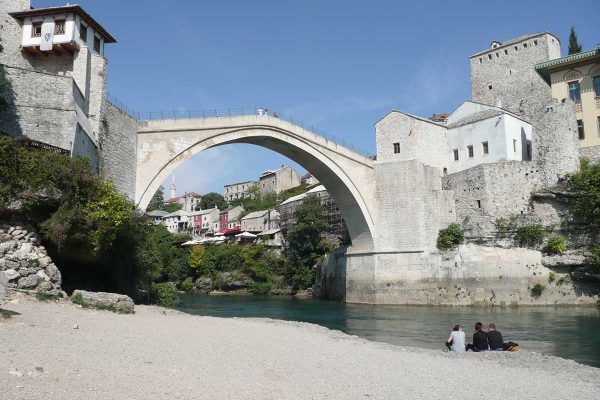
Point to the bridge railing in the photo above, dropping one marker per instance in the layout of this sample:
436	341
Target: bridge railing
178	114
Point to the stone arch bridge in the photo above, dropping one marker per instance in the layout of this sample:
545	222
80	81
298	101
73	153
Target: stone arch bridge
349	177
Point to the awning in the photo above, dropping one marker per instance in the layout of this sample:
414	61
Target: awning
270	232
245	235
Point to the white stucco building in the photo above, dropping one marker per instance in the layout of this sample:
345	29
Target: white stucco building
238	190
177	222
279	180
473	134
260	221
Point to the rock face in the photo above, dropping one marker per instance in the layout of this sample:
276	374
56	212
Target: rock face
104	301
24	262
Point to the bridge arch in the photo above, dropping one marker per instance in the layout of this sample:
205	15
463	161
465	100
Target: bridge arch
163	145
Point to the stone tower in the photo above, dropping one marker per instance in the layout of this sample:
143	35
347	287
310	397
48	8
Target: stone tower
504	75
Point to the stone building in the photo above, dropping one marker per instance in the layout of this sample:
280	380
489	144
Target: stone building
204	221
54	60
577	77
336	227
229	218
157	216
189	201
177	222
260	221
279	180
238	190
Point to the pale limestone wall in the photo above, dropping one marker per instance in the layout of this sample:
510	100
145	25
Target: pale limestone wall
490	191
471	275
411	206
511	74
419	139
41	107
118	143
591	153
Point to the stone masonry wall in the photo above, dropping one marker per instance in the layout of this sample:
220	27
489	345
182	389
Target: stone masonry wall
591	153
405	192
24	261
490	191
118	143
41	107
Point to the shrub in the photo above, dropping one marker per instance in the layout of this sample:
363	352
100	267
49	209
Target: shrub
45	296
595	252
563	280
187	285
586	186
504	226
537	289
530	235
261	288
450	237
557	244
551	277
163	294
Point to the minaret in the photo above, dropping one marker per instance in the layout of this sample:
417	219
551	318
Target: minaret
173	187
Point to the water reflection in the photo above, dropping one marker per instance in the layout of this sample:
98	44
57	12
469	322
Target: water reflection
565	332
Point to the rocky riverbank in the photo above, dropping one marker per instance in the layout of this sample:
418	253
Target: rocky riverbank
57	350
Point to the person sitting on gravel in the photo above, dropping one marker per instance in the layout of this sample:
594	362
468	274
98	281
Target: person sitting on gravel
456	340
480	339
495	338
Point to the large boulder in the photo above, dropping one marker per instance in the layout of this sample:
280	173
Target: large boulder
28	282
204	284
11	274
3	284
103	301
54	274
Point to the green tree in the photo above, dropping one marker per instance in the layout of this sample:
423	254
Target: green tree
210	200
574	46
585	185
172	207
450	237
157	202
196	256
305	245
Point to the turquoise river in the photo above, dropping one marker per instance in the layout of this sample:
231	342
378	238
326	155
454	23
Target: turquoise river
568	332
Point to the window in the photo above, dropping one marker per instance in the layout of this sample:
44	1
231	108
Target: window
524	45
515	145
97	44
396	148
83	32
528	151
597	85
580	129
490	87
446	169
489	56
455	154
516	48
59	27
470	151
505	52
497	55
480	60
486	149
574	91
535	42
478	203
36	29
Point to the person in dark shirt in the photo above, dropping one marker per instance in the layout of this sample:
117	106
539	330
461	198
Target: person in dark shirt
480	339
495	338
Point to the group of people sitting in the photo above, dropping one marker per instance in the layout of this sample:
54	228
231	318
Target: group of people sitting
482	341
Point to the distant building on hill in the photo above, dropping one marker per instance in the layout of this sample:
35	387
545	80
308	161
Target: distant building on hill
238	190
189	201
229	218
279	180
259	221
309	180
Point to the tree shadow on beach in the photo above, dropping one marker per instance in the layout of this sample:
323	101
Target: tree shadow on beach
6	314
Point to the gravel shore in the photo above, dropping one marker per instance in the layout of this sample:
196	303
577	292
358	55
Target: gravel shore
56	350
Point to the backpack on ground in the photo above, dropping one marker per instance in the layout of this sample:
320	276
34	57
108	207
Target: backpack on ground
510	346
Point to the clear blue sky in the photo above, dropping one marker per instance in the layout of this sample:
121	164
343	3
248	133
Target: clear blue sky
337	65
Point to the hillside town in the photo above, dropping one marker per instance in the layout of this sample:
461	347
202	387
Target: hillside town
233	224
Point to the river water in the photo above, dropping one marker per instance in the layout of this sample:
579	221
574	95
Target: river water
568	332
